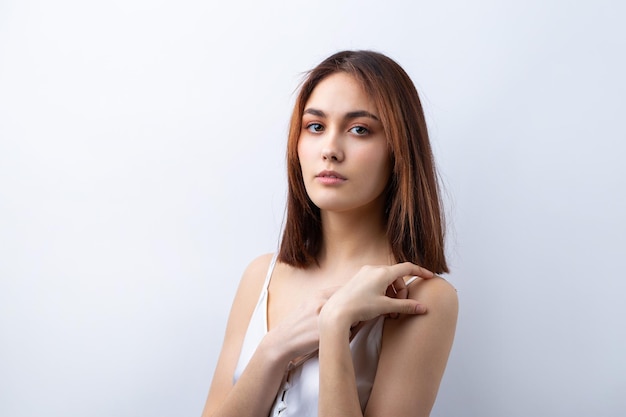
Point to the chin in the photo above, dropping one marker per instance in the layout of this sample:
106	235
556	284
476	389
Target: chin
331	204
341	206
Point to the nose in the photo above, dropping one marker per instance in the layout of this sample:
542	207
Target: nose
332	150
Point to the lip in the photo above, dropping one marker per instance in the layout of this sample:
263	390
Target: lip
331	174
330	177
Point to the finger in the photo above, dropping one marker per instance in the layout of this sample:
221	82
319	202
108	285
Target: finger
400	290
391	291
407	268
406	306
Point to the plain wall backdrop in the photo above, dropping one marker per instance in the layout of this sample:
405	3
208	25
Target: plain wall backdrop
142	168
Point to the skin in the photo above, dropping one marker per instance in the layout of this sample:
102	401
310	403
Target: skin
315	308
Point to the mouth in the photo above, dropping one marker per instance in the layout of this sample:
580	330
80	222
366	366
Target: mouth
331	175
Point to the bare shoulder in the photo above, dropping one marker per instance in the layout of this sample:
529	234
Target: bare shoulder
252	280
442	308
257	268
261	261
246	296
437	294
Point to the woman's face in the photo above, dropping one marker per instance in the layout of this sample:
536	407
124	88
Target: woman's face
342	148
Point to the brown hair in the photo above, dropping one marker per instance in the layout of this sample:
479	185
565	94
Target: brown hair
415	224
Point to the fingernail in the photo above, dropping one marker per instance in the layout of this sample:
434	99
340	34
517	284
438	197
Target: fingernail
420	309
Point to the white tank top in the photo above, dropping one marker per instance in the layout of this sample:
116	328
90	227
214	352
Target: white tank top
298	396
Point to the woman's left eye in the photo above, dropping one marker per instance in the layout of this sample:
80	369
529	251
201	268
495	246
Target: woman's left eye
359	130
315	127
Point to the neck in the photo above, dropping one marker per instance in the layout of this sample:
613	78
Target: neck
352	240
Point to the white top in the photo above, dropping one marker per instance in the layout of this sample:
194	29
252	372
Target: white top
298	396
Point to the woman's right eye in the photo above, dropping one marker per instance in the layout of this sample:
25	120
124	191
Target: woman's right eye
315	127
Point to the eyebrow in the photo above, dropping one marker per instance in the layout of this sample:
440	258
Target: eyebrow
349	115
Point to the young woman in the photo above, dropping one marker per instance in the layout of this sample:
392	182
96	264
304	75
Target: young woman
329	325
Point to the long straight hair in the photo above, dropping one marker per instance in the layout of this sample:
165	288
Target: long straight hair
415	220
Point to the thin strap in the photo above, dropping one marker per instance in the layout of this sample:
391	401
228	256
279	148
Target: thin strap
270	270
264	298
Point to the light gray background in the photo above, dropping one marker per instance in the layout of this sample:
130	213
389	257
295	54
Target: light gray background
141	169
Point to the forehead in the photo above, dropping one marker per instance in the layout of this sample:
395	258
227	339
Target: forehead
340	93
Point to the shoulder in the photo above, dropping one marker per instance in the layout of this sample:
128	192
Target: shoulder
437	294
253	278
257	268
249	288
246	297
437	325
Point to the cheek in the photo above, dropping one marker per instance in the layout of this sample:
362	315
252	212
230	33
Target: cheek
305	151
376	158
379	162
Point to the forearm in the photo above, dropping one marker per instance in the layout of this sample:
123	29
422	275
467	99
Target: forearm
338	396
255	391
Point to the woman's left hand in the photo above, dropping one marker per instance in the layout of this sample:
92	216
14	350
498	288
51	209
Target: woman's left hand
367	295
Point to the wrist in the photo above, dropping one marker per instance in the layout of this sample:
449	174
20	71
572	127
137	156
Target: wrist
273	351
334	320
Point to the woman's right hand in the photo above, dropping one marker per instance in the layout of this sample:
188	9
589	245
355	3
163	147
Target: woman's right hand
297	335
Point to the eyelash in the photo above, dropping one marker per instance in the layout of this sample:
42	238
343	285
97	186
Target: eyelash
311	127
364	132
317	128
